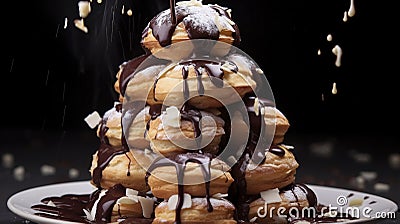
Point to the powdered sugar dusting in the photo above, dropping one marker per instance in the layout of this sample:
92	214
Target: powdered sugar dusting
216	203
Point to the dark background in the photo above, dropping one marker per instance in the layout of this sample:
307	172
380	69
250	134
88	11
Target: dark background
55	77
52	78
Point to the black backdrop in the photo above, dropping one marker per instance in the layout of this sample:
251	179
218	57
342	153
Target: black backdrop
53	77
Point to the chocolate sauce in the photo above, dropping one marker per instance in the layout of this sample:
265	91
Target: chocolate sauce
238	189
179	161
68	207
128	71
190	113
154	111
277	150
164	24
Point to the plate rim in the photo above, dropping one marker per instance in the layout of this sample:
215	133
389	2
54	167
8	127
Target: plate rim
33	217
39	219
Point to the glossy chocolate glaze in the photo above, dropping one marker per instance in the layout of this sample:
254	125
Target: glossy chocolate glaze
238	189
68	207
212	68
128	70
179	161
164	24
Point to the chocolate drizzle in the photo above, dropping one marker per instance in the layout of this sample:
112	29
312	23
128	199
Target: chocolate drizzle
190	113
238	190
179	161
129	70
199	23
295	187
106	152
212	68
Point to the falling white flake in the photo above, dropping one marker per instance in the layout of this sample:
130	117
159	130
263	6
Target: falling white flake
334	89
329	37
84	8
352	9
65	23
338	52
81	25
345	16
129	12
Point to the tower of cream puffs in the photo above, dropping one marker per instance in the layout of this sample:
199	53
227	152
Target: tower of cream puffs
161	144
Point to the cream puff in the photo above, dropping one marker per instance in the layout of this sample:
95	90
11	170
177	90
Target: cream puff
204	83
178	131
265	119
190	20
109	168
291	200
198	174
276	171
110	127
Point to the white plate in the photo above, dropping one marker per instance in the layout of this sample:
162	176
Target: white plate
21	202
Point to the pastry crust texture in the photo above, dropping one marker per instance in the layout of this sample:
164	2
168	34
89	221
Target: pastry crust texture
163	180
275	172
124	169
222	213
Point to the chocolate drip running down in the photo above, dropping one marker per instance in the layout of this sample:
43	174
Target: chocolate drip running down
129	70
107	152
190	113
238	190
164	24
213	69
179	161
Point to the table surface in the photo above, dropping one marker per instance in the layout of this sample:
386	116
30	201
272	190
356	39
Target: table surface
328	160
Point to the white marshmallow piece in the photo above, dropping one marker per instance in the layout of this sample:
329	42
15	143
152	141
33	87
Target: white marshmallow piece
84	8
271	196
147	206
172	117
173	201
93	119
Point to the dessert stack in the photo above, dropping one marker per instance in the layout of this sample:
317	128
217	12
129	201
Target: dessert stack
194	137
